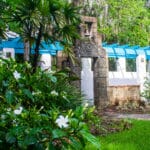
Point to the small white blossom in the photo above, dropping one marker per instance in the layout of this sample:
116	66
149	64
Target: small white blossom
3	117
64	97
15	122
54	93
16	75
62	121
36	93
18	111
8	109
86	105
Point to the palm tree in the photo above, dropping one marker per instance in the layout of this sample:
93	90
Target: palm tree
3	6
47	20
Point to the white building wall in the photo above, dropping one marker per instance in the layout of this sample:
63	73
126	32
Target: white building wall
8	53
141	70
121	77
121	66
87	80
45	61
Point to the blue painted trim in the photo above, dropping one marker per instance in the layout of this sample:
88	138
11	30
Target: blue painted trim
126	51
45	48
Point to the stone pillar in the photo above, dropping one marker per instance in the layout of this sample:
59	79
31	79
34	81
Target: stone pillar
76	72
87	80
141	70
88	47
121	66
101	79
45	61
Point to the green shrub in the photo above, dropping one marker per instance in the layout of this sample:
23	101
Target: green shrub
146	92
38	111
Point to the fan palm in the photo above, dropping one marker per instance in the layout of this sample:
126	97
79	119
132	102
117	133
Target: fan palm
48	20
3	7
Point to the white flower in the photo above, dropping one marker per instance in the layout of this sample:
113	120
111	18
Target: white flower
86	105
8	109
3	117
18	111
62	121
16	75
54	93
36	93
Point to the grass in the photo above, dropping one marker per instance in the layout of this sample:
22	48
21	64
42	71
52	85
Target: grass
136	138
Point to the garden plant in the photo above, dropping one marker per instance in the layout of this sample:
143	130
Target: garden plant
40	110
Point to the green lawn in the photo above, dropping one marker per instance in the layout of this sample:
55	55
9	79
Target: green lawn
136	138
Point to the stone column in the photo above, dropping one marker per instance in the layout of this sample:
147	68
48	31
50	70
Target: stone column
101	79
76	72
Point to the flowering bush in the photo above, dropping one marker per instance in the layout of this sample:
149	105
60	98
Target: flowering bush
146	92
38	111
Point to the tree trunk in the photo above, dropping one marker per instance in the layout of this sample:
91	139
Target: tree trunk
76	2
37	46
26	50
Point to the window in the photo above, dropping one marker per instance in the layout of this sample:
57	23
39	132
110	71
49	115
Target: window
130	65
8	54
112	64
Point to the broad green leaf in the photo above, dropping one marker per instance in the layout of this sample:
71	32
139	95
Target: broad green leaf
79	111
53	79
51	146
57	133
29	140
90	138
9	96
74	122
28	93
76	144
10	138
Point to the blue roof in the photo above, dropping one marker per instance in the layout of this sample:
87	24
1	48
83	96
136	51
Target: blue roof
113	50
117	51
18	45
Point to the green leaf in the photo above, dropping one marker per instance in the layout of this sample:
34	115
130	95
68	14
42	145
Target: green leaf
79	111
9	96
53	79
90	138
28	93
51	146
76	144
57	133
74	122
10	138
29	140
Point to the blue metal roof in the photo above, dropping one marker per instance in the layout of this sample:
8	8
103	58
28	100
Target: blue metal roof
113	50
117	51
18	45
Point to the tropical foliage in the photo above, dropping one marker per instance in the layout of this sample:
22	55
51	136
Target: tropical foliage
48	20
3	7
123	21
146	92
38	111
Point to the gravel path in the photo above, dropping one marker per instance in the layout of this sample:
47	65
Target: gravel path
132	116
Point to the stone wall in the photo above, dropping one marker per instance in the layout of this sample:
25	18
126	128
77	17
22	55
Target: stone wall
89	47
101	79
121	94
